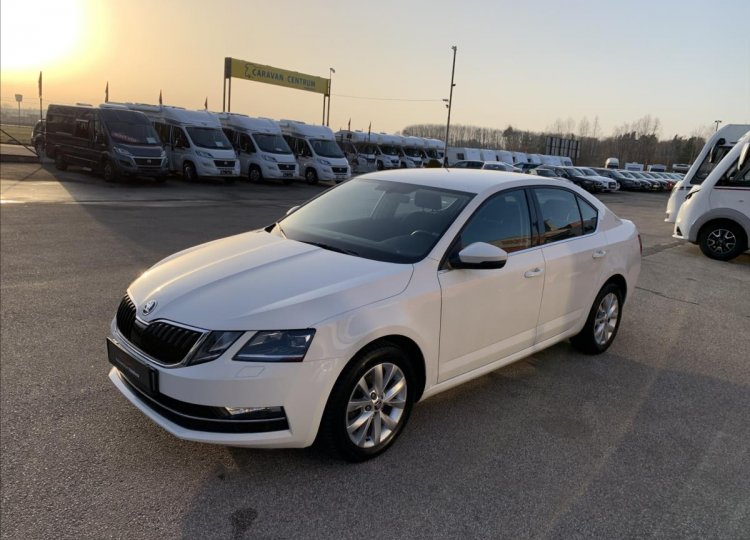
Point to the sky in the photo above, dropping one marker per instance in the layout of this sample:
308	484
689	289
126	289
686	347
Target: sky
520	63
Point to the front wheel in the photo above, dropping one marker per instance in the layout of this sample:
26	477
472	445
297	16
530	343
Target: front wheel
188	172
722	240
603	322
109	172
311	176
370	404
40	151
60	163
255	174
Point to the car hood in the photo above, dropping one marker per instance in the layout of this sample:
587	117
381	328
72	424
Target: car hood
260	281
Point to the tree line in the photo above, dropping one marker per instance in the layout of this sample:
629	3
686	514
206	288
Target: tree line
636	141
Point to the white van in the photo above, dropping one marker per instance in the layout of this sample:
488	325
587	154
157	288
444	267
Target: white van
656	167
387	153
488	155
433	151
519	157
566	161
716	147
318	155
360	152
554	161
716	213
534	159
195	144
411	152
463	154
505	156
612	163
263	151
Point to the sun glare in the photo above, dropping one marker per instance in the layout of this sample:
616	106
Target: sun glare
39	34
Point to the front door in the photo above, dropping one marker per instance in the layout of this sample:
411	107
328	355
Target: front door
180	150
732	190
489	314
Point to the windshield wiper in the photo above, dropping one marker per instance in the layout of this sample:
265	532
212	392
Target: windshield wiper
332	248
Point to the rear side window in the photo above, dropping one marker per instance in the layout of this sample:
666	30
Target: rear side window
589	216
502	221
560	215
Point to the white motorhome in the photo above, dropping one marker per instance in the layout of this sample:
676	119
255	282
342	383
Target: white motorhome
318	155
612	163
716	147
535	159
411	152
195	144
716	213
263	151
433	151
505	156
359	150
387	153
463	154
519	157
554	161
566	161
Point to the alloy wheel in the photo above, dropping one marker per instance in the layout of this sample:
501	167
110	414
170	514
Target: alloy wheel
605	322
721	241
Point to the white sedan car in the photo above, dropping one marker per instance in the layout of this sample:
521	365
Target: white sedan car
385	290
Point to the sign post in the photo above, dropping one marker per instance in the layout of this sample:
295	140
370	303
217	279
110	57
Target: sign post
19	99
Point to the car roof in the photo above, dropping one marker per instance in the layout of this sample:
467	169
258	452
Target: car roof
468	180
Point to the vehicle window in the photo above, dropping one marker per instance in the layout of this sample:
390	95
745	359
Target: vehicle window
179	137
386	221
275	144
163	131
82	129
560	214
207	137
706	167
460	165
460	155
304	148
735	178
230	134
589	216
474	165
502	221
246	144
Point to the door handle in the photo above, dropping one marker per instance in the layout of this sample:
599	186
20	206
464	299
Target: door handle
599	253
533	273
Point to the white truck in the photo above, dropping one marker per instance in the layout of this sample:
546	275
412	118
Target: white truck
195	144
359	150
318	155
262	150
716	212
716	147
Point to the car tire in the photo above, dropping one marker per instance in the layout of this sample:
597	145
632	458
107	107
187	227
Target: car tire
722	240
311	176
254	174
60	163
358	425
379	166
109	173
39	148
188	172
602	323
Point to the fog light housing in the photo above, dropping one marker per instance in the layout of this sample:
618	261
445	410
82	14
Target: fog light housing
254	413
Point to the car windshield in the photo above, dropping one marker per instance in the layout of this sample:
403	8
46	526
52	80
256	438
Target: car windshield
388	149
588	172
375	219
326	148
432	153
132	133
206	137
271	143
576	172
412	151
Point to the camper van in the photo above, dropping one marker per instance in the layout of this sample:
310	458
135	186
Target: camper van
434	151
488	155
195	144
318	155
463	154
387	156
359	151
716	147
519	157
716	212
612	163
411	152
262	150
111	140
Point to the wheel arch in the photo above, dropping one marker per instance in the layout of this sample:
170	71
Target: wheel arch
621	282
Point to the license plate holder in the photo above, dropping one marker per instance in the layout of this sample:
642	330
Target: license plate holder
226	171
140	375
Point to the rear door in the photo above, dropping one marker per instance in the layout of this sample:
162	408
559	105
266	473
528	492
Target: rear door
574	250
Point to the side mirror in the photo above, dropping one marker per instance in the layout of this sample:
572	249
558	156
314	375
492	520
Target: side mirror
292	209
479	256
744	157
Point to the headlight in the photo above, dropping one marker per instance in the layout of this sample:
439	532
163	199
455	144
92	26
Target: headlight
276	346
201	153
122	151
213	347
270	158
324	162
163	154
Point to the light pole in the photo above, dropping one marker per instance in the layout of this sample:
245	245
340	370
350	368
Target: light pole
19	99
717	122
450	104
331	71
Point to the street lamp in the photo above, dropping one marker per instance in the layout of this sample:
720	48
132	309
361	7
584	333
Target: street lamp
717	122
331	71
19	99
450	104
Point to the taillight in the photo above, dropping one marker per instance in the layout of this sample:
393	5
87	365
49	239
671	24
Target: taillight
640	243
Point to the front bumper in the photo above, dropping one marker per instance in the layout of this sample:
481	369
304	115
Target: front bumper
186	395
141	166
206	168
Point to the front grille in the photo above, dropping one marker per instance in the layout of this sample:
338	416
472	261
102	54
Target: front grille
613	185
148	162
224	162
339	170
286	167
165	342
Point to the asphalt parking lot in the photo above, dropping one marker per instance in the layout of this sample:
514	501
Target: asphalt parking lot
650	439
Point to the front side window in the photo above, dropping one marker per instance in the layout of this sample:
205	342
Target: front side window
179	138
503	221
82	129
560	214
